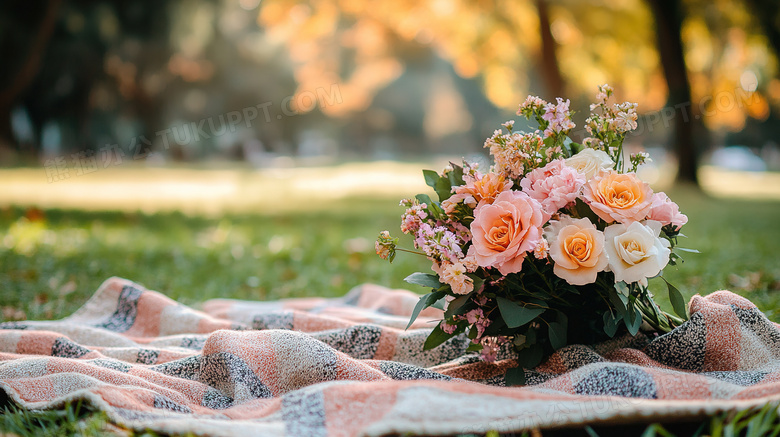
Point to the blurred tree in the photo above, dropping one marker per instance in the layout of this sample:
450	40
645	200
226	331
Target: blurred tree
411	76
551	71
668	16
767	12
23	51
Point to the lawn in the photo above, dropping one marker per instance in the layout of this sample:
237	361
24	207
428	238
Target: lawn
52	260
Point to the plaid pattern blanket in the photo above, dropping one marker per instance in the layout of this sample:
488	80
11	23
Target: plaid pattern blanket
347	367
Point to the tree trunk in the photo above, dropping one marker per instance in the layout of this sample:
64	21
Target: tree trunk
668	15
29	68
548	60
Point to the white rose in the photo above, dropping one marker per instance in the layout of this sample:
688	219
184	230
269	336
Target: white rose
590	161
635	252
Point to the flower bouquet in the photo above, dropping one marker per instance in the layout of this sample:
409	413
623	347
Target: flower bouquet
552	245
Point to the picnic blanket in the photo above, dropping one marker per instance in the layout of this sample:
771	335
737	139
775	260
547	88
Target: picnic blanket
347	367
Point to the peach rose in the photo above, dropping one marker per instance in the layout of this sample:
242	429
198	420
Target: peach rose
577	248
504	231
555	185
621	197
667	212
479	189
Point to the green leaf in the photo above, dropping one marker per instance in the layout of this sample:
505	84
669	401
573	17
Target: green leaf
424	302
677	300
531	357
424	198
424	279
457	306
431	178
622	288
634	320
611	323
515	315
686	250
515	376
439	304
456	175
433	208
557	333
443	189
478	282
584	211
619	300
436	337
474	347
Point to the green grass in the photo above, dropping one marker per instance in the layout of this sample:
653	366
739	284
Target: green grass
49	267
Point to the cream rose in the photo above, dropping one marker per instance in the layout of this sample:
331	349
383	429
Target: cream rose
504	231
577	248
635	252
589	162
621	197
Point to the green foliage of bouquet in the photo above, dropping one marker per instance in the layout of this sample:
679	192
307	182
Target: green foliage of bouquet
552	245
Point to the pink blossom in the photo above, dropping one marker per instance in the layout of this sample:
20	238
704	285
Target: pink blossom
477	319
554	185
665	211
446	327
559	117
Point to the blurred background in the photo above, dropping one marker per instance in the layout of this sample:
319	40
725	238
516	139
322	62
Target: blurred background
254	148
360	80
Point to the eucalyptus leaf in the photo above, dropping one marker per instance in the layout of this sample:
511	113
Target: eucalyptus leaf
457	306
557	333
677	300
515	376
424	302
424	279
622	287
611	323
531	357
530	337
439	304
515	315
617	299
436	337
634	320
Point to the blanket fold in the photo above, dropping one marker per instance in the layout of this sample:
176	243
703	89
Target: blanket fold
347	367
